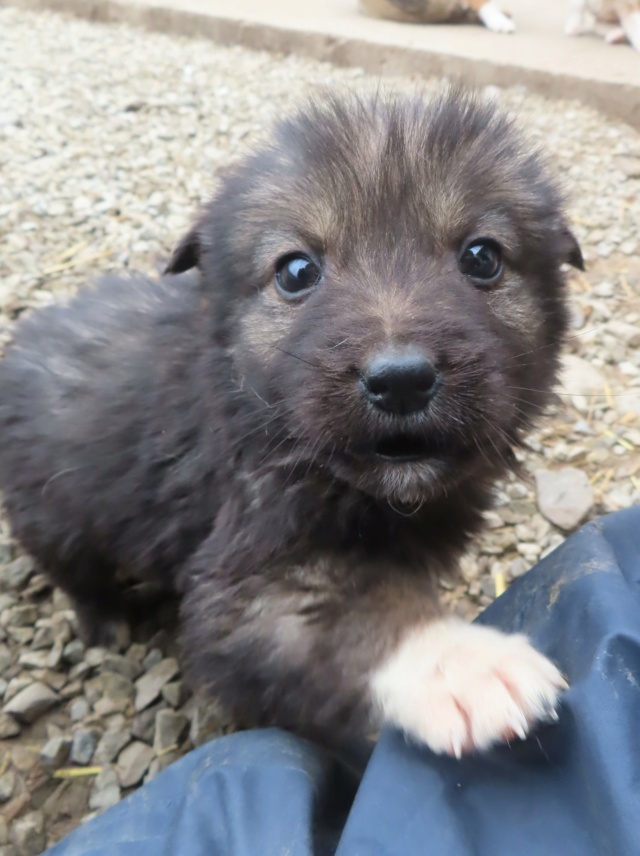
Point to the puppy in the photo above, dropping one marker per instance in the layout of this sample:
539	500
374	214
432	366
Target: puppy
441	12
584	14
302	435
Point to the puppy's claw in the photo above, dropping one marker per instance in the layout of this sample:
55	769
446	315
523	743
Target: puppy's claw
457	747
550	715
521	727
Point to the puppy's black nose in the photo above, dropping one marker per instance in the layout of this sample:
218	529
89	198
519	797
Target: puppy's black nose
400	382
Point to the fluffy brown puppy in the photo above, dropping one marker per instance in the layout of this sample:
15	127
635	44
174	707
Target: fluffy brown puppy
301	437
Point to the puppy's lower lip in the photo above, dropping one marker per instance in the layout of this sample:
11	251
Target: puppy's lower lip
401	459
403	449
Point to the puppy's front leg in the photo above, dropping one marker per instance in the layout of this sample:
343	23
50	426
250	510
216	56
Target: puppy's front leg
322	653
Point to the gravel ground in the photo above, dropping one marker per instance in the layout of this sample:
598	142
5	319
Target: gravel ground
109	138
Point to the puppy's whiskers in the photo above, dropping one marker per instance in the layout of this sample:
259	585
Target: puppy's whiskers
258	396
314	454
553	345
297	357
589	395
259	427
339	344
315	365
269	452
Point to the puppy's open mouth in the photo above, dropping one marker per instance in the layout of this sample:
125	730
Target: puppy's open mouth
403	448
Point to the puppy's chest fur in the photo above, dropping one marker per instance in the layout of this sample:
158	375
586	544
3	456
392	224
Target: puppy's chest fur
317	532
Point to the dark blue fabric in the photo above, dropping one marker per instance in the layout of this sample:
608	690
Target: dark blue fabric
254	792
572	788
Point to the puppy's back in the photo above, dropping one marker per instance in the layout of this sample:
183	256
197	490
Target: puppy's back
88	392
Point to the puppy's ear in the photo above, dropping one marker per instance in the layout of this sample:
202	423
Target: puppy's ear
570	248
186	253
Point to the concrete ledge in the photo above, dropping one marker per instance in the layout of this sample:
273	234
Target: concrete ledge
539	56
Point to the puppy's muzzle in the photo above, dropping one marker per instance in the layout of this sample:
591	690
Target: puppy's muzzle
400	382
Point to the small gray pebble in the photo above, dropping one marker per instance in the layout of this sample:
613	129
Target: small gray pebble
55	751
16	574
73	652
105	791
9	727
110	745
152	659
79	709
83	746
133	763
28	834
7	785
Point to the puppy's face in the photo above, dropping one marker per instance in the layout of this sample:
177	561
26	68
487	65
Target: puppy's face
388	283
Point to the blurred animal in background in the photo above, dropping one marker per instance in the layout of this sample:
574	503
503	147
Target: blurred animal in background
584	15
441	12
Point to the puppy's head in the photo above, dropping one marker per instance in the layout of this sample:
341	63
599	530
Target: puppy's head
387	278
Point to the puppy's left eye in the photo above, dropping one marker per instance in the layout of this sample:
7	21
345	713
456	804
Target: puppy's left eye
482	261
296	274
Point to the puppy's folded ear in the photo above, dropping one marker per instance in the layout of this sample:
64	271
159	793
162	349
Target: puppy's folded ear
186	253
569	247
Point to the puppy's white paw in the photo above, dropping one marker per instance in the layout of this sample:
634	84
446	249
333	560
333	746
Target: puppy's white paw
459	687
495	20
616	36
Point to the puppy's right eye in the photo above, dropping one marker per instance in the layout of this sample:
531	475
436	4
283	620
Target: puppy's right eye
297	274
482	261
